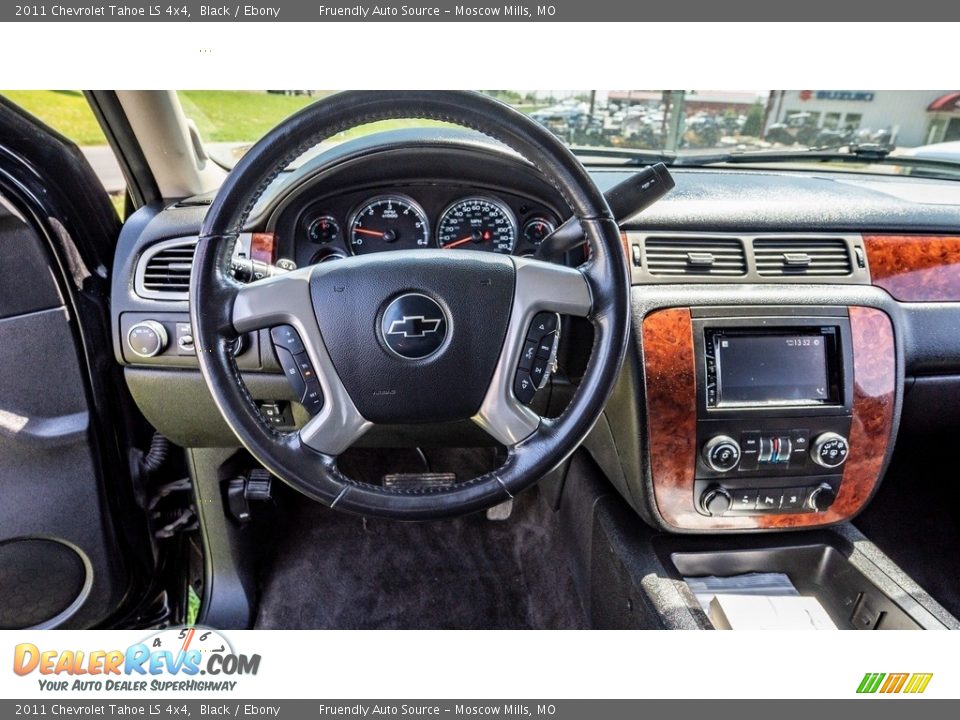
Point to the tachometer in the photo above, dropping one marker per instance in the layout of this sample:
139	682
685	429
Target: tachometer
389	222
478	223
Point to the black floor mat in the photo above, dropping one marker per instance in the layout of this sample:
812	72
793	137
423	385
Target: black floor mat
915	521
332	570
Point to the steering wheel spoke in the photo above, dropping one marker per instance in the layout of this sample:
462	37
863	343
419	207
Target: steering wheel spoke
541	290
278	300
285	300
545	286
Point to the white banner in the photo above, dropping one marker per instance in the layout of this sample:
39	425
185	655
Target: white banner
457	664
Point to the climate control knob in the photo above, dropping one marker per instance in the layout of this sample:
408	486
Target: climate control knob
721	453
830	450
147	338
821	498
715	501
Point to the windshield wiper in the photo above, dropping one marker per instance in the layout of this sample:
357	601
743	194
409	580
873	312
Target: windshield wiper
857	154
630	156
843	153
636	156
853	153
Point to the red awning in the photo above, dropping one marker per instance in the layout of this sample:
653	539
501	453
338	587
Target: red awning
945	103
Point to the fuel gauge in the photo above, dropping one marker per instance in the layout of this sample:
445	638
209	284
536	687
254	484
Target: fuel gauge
536	229
323	229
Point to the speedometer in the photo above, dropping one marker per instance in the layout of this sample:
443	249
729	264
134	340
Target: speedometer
389	222
478	223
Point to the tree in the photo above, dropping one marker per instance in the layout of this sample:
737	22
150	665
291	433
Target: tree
753	126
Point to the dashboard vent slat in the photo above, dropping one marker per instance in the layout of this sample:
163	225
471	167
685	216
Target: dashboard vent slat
815	257
695	256
164	270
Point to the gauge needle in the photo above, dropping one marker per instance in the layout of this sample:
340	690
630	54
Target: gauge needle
457	243
362	231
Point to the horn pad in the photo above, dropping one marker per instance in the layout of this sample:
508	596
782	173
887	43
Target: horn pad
415	335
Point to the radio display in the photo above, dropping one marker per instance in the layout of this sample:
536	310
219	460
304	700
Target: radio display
773	369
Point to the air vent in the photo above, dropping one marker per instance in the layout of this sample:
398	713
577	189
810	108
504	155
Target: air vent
164	270
720	257
779	257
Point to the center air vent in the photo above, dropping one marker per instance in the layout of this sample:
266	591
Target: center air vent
827	257
722	257
163	271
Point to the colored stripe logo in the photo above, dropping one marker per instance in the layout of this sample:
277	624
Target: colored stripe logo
888	683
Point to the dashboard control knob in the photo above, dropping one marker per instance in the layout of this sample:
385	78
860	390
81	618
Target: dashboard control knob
830	450
721	453
715	500
147	338
821	498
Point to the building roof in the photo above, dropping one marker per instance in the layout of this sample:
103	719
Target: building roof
945	103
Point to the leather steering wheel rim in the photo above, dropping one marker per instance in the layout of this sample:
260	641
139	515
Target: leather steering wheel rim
216	299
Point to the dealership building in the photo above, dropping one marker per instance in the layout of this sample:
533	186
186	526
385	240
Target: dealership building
913	117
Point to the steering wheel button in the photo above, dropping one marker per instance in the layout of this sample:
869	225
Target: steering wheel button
524	387
313	397
528	354
285	336
539	371
306	369
543	324
545	348
292	371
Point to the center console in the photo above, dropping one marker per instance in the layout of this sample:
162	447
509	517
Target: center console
766	416
773	411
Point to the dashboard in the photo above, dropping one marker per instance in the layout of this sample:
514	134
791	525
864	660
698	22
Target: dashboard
852	282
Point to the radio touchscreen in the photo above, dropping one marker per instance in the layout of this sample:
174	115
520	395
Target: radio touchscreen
775	368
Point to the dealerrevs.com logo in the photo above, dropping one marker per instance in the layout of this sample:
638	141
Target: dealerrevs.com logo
178	659
893	683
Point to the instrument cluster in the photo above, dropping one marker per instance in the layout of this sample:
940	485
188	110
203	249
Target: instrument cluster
412	217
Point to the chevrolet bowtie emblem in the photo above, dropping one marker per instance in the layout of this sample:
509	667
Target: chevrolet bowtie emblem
414	326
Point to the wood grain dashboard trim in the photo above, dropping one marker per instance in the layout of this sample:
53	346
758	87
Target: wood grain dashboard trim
915	268
263	247
671	404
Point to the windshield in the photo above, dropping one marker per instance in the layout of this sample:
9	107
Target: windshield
611	125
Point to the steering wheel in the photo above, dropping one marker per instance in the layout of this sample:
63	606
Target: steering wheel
463	319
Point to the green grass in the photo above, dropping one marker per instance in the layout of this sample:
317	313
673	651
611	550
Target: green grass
245	116
238	115
66	111
193	606
119	202
220	115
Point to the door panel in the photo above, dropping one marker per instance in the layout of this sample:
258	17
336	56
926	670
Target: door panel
74	545
28	291
48	474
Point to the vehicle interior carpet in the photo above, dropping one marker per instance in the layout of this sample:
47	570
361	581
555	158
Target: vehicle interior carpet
333	570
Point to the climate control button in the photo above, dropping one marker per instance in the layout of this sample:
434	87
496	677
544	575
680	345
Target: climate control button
775	450
830	450
721	453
